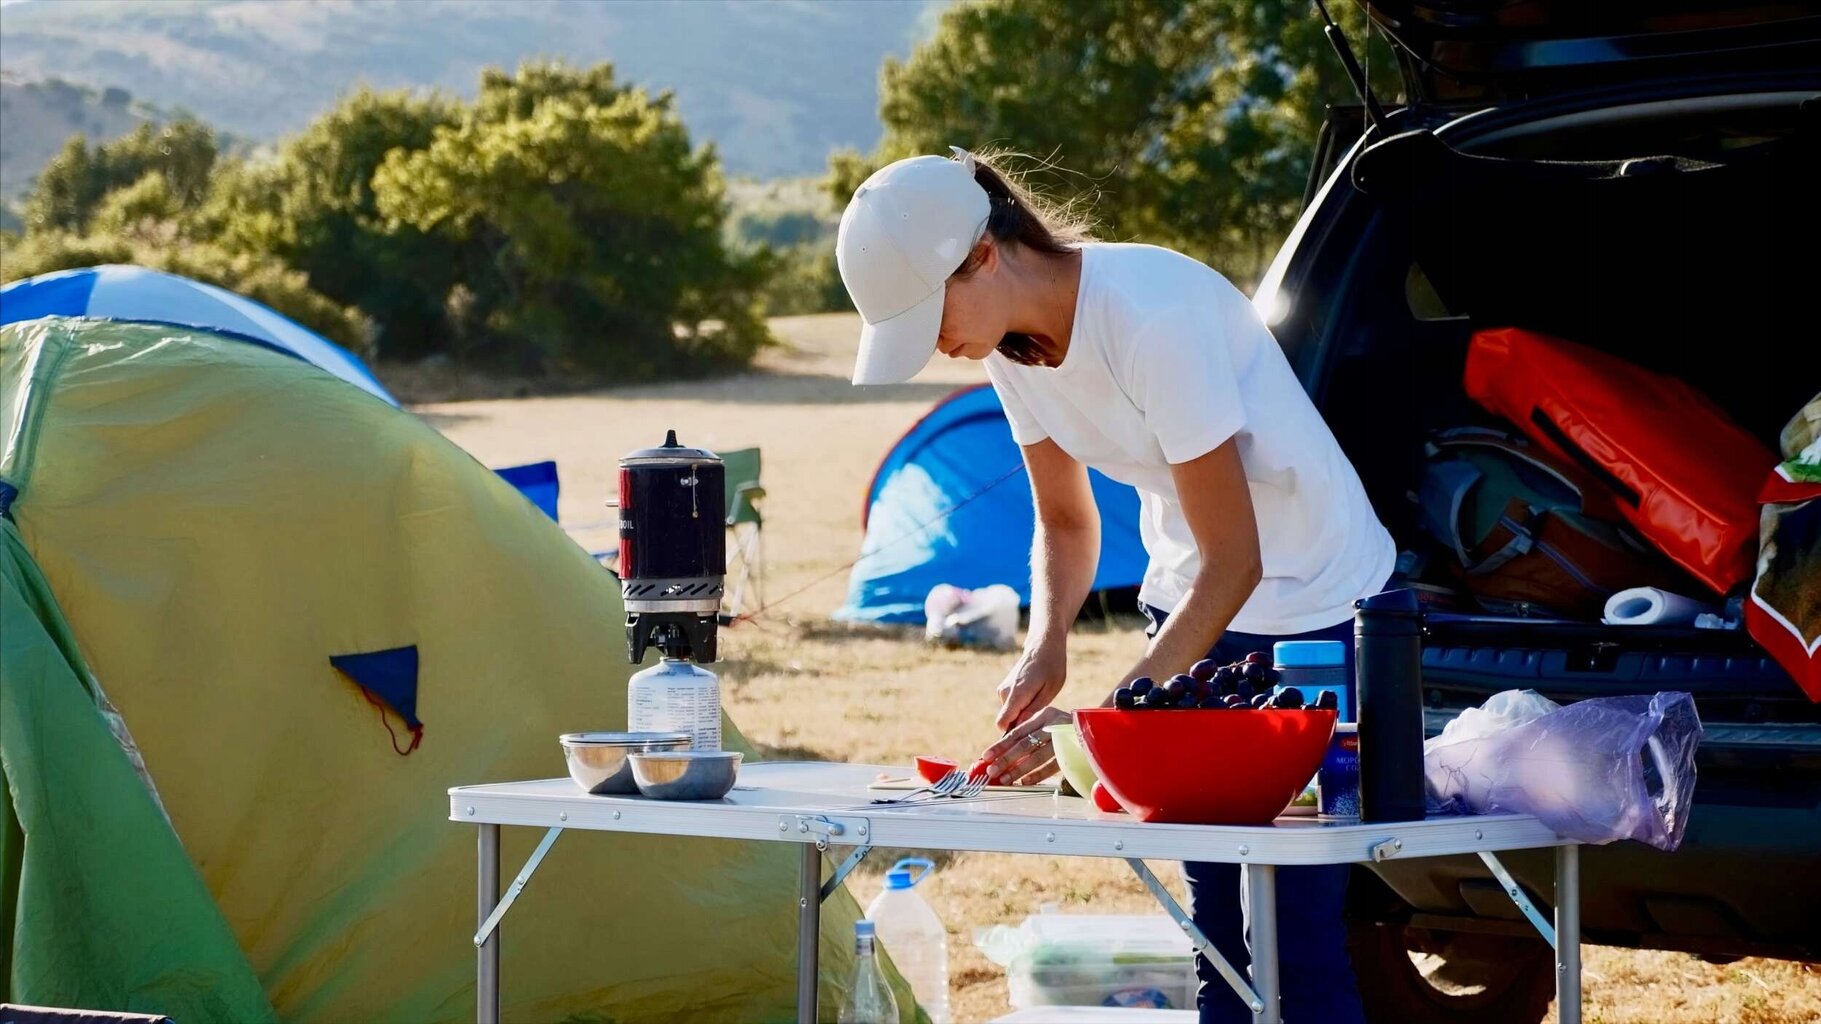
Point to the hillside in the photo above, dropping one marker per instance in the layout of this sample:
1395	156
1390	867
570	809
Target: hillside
36	117
775	84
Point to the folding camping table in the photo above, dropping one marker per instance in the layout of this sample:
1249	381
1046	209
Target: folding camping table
821	806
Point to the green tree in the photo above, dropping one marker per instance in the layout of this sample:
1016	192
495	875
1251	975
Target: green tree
790	223
155	244
803	278
147	208
1186	124
313	207
587	227
72	186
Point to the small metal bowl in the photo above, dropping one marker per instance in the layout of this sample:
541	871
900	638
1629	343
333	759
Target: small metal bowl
686	774
597	760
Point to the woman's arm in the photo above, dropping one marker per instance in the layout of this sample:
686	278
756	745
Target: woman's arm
1217	504
1064	556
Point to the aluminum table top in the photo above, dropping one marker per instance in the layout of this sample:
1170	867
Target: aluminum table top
806	802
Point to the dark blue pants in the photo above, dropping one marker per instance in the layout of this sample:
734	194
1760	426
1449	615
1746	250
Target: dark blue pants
1315	971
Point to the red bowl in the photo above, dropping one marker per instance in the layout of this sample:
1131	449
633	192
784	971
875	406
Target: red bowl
1204	767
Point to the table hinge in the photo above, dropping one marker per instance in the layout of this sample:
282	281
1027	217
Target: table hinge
1387	849
824	829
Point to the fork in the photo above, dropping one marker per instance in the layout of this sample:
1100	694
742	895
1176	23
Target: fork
973	787
956	783
951	781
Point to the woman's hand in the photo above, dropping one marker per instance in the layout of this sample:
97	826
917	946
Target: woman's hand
1032	684
1024	756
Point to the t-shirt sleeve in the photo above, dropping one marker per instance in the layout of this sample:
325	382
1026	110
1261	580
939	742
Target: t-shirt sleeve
1184	381
1025	429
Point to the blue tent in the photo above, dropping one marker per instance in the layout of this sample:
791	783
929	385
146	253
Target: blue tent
951	504
117	292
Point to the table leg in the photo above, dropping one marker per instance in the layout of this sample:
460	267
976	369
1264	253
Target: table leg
1261	906
487	972
1568	934
809	931
1197	937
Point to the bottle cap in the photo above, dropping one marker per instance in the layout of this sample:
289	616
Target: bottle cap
903	874
1392	613
863	929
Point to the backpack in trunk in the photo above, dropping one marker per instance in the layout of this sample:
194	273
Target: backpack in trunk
1527	529
1683	473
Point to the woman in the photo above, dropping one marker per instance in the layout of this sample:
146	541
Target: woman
1150	367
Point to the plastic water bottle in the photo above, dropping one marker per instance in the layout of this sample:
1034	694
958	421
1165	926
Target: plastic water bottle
914	936
676	696
869	999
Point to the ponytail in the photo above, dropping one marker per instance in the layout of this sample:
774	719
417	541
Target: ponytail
1017	214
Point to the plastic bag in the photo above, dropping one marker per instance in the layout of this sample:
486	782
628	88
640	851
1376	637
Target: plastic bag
1457	772
1595	771
987	617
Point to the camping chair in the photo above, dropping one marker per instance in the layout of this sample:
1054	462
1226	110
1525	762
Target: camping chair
745	551
538	483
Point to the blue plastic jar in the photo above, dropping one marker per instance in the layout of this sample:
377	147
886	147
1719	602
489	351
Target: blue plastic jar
1312	666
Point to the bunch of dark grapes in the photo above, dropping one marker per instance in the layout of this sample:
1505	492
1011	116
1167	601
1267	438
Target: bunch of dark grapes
1251	683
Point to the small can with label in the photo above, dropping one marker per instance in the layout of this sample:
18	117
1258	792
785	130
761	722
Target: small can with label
1337	783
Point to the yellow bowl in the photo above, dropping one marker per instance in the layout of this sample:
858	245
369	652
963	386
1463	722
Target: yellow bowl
1072	757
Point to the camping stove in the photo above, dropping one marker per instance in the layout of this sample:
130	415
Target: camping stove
673	549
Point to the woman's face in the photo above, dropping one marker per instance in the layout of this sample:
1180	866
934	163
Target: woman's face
974	313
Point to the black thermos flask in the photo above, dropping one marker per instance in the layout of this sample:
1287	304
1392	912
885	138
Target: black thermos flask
1388	655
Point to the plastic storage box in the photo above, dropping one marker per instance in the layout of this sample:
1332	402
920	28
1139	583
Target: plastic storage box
1138	961
1313	666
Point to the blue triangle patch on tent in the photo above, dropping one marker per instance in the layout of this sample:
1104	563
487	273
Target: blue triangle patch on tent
389	679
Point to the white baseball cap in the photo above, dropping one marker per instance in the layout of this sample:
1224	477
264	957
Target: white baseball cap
907	228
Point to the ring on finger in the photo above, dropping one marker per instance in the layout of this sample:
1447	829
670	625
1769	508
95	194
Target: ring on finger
1036	740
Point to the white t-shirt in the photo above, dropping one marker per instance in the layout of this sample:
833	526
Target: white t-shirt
1166	362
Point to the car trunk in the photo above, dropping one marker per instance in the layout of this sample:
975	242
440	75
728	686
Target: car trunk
1683	246
1470	53
1680	243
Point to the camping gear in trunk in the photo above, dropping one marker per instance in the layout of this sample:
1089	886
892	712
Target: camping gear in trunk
1684	474
1530	531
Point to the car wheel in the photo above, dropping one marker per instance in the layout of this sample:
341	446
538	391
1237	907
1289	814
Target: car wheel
1410	976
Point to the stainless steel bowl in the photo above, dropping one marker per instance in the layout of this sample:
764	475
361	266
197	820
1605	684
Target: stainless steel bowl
686	774
597	760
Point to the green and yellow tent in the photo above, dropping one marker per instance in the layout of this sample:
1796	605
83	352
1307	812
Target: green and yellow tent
203	816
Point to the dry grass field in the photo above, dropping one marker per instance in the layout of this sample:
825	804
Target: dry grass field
803	687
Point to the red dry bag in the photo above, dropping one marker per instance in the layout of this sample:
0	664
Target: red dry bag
1681	472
